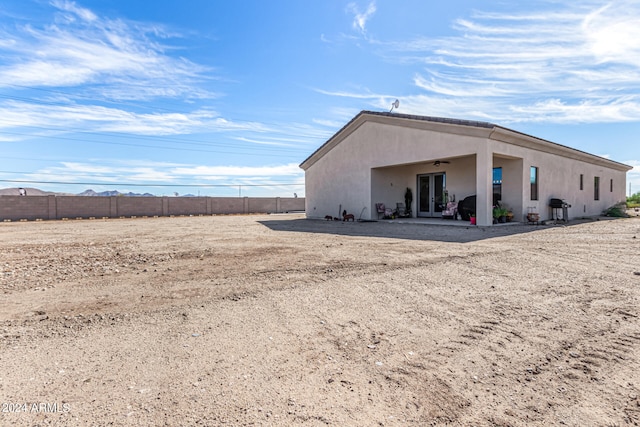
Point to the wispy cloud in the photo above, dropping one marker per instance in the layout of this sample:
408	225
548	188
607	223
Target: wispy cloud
122	171
87	72
569	63
58	118
218	172
82	72
633	176
360	18
81	48
74	11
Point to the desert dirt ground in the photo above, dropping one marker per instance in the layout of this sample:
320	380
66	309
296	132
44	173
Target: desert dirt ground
279	320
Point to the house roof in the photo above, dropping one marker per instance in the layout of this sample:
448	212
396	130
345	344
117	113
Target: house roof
494	131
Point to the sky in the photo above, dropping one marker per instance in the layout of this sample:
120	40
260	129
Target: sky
220	98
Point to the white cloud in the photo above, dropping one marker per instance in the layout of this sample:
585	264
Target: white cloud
633	177
64	118
76	74
215	172
69	6
573	62
360	18
125	59
613	33
161	173
333	124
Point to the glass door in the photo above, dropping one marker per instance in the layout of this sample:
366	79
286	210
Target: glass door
424	195
431	194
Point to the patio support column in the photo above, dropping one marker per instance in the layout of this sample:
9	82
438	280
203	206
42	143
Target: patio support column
484	185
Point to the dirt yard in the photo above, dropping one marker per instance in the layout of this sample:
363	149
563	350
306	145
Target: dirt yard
278	320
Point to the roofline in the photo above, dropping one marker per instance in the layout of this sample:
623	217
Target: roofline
495	132
503	134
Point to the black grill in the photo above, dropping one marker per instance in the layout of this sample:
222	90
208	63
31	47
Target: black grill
557	204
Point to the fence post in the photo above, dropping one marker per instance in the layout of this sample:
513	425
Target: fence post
113	207
165	206
53	211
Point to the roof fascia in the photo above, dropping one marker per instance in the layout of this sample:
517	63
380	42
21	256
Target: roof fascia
483	130
527	141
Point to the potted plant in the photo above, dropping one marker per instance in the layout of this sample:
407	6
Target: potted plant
533	217
500	214
509	216
502	217
496	214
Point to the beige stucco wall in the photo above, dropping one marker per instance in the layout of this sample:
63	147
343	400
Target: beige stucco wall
376	160
343	176
559	177
337	183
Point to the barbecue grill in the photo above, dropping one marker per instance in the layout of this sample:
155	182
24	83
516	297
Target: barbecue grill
556	205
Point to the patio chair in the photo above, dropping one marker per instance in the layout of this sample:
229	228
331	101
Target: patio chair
401	210
380	209
450	211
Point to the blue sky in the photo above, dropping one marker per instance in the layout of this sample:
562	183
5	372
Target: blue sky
225	98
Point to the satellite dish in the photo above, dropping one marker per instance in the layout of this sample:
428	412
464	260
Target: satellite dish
395	105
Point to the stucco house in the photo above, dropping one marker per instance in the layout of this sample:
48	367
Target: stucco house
377	155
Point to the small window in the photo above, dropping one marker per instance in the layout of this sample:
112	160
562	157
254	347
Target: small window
611	185
581	182
497	182
534	183
596	188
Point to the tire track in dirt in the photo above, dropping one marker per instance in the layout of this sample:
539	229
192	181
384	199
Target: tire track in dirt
511	330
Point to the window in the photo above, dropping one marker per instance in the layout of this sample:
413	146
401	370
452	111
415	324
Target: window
596	188
611	185
497	182
534	183
581	182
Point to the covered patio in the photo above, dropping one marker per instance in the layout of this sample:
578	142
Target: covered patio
436	182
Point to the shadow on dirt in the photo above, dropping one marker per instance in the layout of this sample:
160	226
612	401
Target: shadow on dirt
408	231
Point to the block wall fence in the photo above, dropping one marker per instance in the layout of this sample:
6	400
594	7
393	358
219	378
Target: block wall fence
15	208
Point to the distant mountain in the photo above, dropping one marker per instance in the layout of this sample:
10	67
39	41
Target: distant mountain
35	192
91	193
88	193
30	192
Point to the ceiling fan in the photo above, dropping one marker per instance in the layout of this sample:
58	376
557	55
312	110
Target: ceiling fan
439	162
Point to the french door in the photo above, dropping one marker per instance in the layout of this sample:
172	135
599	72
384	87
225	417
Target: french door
431	194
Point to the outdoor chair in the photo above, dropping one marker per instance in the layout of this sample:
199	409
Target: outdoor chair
401	210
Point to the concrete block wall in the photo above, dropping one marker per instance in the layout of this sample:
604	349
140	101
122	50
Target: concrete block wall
15	208
227	205
21	207
261	204
289	204
77	206
187	205
132	206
